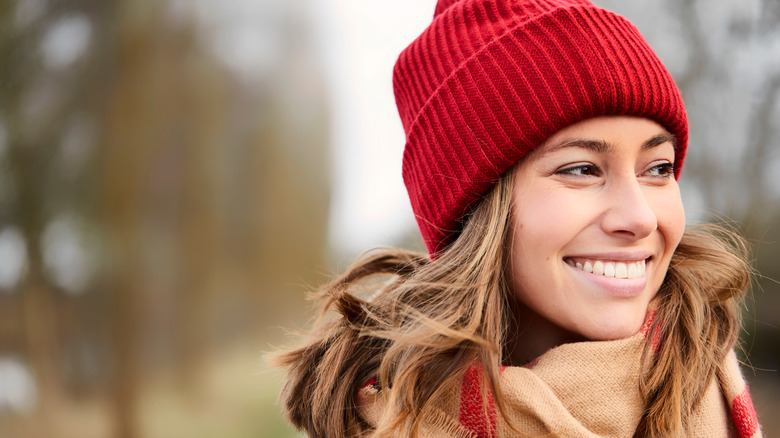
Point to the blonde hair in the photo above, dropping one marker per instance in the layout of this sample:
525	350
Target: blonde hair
430	320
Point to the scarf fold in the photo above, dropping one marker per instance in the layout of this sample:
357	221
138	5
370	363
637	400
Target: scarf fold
585	389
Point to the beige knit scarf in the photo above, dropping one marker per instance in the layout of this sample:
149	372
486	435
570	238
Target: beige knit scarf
586	389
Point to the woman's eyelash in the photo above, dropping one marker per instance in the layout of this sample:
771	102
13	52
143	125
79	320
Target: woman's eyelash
665	170
580	170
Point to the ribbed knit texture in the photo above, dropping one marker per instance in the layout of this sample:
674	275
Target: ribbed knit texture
489	80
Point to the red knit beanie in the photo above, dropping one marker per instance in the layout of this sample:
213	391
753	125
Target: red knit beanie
489	80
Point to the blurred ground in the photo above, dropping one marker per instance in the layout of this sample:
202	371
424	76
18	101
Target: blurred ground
235	398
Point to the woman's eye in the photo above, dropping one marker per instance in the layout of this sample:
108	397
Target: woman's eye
580	170
663	170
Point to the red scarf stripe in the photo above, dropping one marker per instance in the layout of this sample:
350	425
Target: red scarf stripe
648	322
472	414
655	342
744	414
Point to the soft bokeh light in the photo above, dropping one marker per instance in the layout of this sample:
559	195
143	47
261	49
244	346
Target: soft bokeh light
65	255
18	392
66	40
13	258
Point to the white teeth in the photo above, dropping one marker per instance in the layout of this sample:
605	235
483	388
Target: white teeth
621	270
611	269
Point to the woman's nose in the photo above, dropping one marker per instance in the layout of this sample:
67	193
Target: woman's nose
629	214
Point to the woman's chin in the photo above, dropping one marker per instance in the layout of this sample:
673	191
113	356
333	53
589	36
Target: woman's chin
617	328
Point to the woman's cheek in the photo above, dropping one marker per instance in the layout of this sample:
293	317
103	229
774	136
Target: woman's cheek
670	215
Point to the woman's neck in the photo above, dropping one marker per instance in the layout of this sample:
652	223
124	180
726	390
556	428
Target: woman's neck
531	335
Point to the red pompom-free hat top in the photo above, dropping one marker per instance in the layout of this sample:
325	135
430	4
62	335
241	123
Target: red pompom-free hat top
490	80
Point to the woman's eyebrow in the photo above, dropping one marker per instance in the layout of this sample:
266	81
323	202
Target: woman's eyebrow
603	147
599	146
659	140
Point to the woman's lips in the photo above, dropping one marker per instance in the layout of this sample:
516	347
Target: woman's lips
609	268
619	278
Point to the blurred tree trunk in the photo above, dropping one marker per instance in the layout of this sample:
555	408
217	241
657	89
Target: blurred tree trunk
132	128
157	199
40	321
28	154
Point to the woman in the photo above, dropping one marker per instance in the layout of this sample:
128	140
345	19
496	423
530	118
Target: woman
562	295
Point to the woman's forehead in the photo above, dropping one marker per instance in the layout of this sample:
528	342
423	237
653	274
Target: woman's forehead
605	135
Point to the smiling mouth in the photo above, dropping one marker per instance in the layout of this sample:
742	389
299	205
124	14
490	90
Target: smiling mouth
606	268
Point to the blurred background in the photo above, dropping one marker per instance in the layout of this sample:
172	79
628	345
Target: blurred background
175	175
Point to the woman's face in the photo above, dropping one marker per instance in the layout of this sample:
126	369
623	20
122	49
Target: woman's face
596	216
